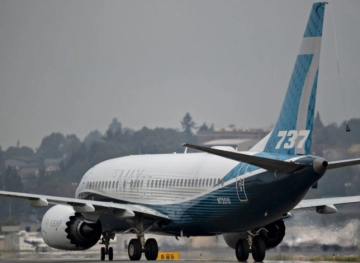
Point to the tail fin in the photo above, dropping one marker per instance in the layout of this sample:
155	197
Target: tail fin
292	133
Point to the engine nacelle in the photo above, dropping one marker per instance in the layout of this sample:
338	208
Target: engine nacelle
63	228
232	238
272	236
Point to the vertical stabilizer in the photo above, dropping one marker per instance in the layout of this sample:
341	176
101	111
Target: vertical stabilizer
293	130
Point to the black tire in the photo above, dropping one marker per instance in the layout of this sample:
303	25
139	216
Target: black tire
151	249
134	249
258	249
111	254
242	250
102	254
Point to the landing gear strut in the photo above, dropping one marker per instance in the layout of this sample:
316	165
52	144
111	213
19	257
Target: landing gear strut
107	250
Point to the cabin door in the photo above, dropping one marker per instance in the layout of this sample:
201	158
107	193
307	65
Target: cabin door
240	182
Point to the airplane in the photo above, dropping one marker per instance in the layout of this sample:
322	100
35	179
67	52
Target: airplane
243	195
38	243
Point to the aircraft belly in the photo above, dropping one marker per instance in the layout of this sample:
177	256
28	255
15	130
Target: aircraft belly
269	199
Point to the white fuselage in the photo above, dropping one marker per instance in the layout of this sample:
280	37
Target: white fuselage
156	179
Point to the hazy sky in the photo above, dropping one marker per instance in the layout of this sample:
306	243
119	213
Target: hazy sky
72	66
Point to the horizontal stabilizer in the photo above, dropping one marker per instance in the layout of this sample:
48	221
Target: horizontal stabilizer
343	163
265	163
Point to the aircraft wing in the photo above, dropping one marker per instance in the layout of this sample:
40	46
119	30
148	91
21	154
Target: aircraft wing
330	202
343	163
88	206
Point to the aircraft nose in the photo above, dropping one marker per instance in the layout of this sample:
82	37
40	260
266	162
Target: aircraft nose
320	165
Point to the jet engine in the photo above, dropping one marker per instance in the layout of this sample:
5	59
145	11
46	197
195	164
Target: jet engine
272	234
63	228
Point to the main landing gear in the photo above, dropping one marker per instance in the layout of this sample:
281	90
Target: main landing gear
253	244
107	250
137	246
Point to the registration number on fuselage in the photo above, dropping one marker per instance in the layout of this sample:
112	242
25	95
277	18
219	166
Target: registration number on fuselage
223	200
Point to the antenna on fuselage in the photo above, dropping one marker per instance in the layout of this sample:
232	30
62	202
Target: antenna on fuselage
185	151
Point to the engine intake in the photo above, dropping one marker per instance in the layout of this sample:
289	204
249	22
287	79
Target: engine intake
63	228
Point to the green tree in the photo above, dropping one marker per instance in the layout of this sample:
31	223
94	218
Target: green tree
188	125
52	146
24	151
93	137
12	182
114	129
71	143
204	127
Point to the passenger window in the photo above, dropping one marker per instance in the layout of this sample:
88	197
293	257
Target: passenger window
117	184
219	181
156	181
124	186
152	183
196	182
131	184
181	183
113	185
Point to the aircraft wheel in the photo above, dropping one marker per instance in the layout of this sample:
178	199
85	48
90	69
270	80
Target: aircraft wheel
151	249
242	250
102	253
134	249
111	253
258	249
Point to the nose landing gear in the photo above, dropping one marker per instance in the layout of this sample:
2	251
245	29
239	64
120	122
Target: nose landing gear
107	250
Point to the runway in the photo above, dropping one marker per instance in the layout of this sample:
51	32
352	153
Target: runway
73	258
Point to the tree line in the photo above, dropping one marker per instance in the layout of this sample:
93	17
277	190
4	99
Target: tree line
76	157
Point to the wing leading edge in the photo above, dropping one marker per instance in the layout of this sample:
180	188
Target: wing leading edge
88	206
